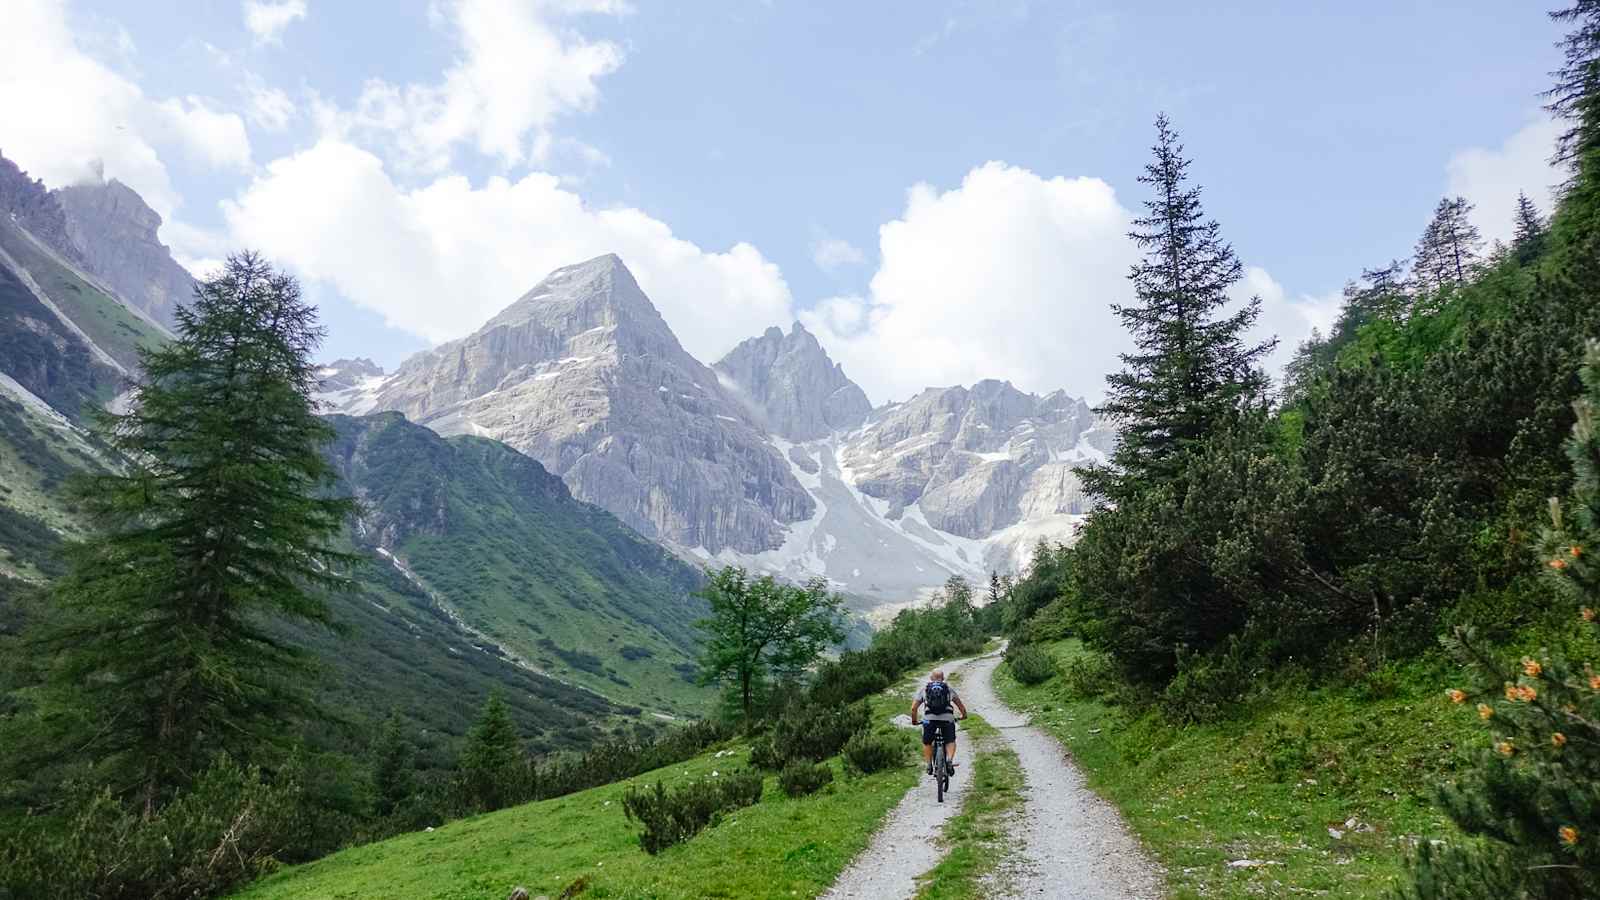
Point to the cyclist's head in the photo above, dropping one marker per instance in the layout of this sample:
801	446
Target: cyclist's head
936	675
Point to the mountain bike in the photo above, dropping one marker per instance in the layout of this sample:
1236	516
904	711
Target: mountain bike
941	768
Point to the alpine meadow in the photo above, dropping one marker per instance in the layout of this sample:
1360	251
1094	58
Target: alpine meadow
508	449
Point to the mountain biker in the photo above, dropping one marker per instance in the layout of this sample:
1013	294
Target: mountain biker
935	701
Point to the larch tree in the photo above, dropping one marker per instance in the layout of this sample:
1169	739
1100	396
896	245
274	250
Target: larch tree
219	528
1448	252
1192	365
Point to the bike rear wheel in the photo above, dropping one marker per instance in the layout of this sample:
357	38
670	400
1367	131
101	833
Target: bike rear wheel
941	771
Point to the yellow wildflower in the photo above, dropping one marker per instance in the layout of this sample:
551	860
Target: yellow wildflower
1485	712
1456	696
1569	835
1558	563
1504	748
1559	739
1531	666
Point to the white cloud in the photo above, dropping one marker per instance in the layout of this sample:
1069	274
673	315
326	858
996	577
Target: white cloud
832	253
1492	178
1010	276
441	259
270	108
517	72
1290	319
267	19
214	138
68	117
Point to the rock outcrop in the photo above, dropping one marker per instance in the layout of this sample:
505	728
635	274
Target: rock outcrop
112	233
792	387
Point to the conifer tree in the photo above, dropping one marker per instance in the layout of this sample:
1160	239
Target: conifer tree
1534	797
1574	97
219	526
1527	240
494	772
394	762
1448	251
1192	366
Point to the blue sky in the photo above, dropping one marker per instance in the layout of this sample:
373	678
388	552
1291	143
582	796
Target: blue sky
758	161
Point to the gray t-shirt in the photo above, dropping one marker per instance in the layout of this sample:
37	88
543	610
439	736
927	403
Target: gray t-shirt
939	717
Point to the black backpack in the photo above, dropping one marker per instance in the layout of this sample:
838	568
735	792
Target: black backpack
936	698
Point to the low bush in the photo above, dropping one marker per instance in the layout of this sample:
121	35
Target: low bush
1088	676
764	755
672	817
1030	664
1207	688
867	753
801	778
232	826
814	733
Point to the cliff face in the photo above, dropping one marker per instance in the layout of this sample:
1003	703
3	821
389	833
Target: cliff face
112	233
792	386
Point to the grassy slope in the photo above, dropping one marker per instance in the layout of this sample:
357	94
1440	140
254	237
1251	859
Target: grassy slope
1268	785
112	326
560	583
777	848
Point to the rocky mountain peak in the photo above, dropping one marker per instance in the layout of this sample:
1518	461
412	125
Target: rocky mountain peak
583	374
33	207
789	383
114	232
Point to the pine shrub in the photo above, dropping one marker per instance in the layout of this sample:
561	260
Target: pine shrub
1533	799
814	733
1030	663
672	817
764	755
1087	676
867	753
801	778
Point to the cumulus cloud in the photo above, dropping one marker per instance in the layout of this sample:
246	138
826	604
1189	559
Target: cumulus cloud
440	259
831	253
1011	275
516	73
1492	178
70	118
267	19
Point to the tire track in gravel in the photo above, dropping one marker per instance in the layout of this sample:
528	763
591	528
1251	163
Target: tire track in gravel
1071	843
902	848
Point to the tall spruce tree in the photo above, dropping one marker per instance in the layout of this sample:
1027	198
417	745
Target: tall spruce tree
1527	239
218	529
1447	253
494	771
1575	96
1192	366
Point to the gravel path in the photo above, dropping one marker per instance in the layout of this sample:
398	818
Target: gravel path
903	848
1071	843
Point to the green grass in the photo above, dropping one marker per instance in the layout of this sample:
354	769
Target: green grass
975	839
1270	784
112	326
561	584
778	848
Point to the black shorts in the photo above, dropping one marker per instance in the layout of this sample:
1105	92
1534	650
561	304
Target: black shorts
931	728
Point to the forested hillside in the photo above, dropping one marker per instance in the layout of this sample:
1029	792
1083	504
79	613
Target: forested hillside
1395	492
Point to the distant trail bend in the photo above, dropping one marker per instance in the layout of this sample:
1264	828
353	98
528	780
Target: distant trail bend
1070	842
